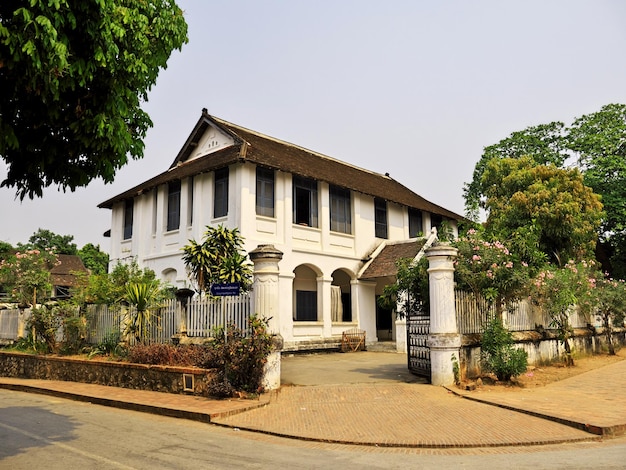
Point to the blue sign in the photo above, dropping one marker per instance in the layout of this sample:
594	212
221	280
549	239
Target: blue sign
228	288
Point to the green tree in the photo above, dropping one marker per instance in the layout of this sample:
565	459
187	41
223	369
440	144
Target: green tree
218	258
110	288
44	239
73	76
599	141
6	249
95	260
544	144
564	214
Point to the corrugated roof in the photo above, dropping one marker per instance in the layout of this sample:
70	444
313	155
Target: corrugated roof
260	149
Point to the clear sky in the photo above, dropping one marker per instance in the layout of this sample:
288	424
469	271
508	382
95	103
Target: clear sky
414	88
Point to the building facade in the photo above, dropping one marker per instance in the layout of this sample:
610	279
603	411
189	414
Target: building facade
327	217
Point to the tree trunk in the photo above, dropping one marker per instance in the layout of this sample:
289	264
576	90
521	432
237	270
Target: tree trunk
569	360
608	333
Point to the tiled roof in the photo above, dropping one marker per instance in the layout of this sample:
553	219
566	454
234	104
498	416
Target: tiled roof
251	146
62	274
384	264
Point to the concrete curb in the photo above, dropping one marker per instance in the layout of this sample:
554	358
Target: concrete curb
604	431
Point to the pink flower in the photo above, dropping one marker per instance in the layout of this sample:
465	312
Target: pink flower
475	258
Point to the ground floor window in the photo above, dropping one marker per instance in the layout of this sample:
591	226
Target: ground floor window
306	306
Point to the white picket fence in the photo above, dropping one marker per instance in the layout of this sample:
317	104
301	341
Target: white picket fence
203	318
472	314
9	323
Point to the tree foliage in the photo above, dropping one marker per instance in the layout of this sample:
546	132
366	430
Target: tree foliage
564	213
110	288
26	275
596	142
94	259
218	258
73	75
543	144
44	239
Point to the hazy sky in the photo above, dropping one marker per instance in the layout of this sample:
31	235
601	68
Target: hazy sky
412	88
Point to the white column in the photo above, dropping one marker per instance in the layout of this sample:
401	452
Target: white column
324	303
265	289
265	284
444	339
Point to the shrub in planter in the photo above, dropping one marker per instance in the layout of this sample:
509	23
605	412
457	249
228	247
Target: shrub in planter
498	353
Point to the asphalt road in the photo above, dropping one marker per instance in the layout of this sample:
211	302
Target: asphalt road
38	431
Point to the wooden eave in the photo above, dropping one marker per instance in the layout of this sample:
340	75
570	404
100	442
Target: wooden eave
251	146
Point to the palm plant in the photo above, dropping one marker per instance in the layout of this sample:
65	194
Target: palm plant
145	297
217	259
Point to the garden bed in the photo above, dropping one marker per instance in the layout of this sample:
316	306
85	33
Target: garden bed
170	379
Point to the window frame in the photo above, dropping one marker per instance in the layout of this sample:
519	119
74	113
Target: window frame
220	192
381	227
414	216
340	202
265	187
173	205
305	201
127	222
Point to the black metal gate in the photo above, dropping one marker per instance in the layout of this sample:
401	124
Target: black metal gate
418	327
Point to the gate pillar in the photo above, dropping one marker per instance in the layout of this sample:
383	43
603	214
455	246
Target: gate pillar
444	339
266	305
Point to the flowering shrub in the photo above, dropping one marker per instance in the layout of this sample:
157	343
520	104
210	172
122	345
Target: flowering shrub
27	274
608	299
561	290
490	270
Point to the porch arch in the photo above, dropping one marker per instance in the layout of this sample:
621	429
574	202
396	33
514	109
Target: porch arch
306	293
341	295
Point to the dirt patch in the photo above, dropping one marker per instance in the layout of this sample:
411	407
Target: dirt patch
539	376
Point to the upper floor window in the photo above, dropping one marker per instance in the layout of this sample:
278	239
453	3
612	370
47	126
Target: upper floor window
128	219
190	190
304	201
415	223
155	200
220	208
265	192
173	205
380	217
340	210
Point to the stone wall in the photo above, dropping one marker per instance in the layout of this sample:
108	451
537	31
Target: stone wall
187	380
542	347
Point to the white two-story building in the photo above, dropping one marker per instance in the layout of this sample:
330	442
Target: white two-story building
327	217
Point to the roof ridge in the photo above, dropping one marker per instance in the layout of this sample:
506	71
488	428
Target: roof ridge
290	144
